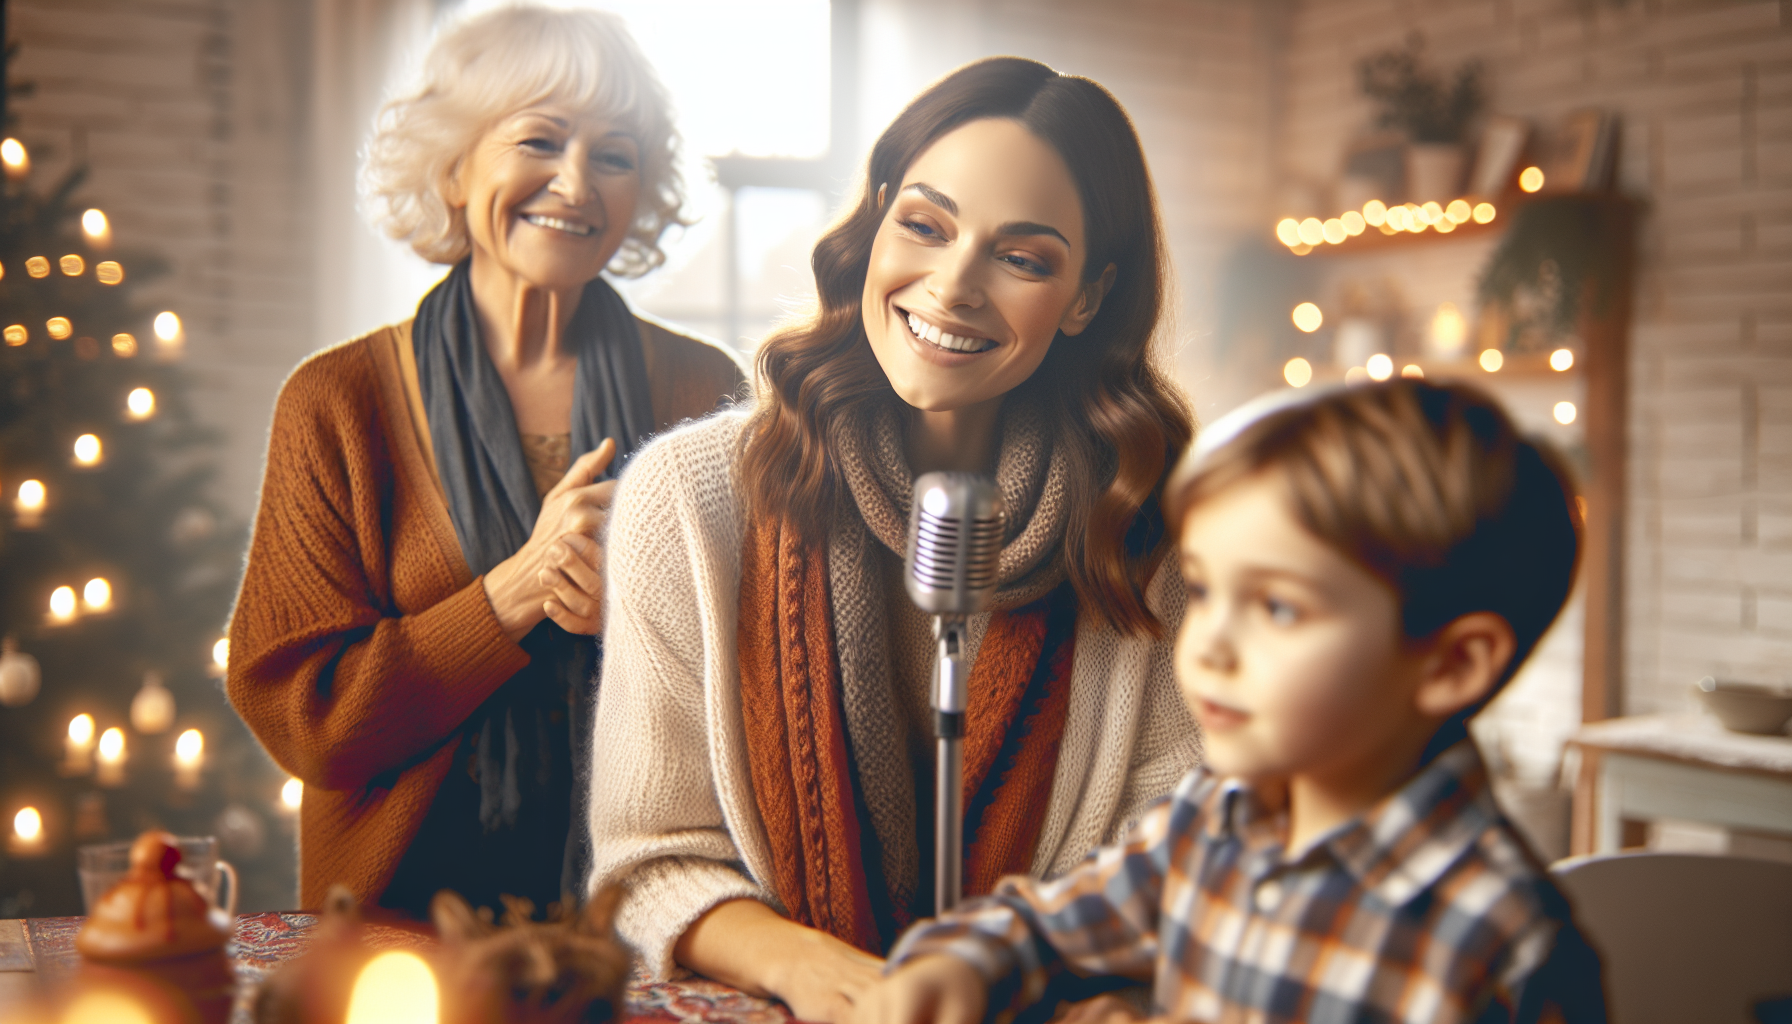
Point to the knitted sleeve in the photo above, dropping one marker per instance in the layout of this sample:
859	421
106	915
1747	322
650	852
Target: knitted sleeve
1169	743
339	684
662	757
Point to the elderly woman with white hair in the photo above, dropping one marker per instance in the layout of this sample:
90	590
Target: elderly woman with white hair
414	637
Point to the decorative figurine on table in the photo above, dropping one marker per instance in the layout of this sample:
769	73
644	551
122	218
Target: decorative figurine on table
571	969
157	934
315	988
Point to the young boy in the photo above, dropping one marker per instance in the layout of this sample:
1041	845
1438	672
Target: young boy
1366	568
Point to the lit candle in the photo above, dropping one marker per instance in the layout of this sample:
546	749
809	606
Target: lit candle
189	754
111	758
79	750
27	833
396	987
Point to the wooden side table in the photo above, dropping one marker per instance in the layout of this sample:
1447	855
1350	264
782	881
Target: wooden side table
1688	767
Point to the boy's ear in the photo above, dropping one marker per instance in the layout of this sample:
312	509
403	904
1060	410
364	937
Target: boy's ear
1468	657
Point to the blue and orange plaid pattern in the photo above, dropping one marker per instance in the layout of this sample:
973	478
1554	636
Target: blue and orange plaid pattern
1427	908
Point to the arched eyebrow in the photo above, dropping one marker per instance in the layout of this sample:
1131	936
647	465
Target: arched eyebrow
1018	227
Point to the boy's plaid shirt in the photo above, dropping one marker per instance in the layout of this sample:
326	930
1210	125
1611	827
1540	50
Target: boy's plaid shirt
1426	908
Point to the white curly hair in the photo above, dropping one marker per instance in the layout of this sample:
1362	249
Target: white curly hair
489	66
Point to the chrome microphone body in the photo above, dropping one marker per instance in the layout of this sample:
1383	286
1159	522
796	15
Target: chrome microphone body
954	546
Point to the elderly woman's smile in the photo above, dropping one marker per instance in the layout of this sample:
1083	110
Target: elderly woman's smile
538	188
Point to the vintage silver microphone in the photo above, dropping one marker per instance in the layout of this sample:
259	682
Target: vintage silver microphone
954	544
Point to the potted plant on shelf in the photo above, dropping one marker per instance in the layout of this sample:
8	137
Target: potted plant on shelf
1434	116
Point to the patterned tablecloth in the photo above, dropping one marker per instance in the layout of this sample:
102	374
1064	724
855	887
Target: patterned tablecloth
264	941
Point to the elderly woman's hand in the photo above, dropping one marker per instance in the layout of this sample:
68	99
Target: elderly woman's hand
559	573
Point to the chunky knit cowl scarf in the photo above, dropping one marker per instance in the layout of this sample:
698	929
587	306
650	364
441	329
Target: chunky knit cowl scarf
832	777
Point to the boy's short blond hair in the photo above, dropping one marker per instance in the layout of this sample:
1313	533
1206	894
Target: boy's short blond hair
1428	486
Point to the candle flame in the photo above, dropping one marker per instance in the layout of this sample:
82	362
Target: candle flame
396	987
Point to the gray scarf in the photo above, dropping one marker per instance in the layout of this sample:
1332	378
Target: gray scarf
530	735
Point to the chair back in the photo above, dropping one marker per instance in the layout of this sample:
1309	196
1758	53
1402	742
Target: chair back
1684	937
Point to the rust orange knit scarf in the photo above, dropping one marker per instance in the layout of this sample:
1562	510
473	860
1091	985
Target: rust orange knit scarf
1019	696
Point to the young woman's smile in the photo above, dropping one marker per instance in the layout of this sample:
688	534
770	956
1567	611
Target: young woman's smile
976	267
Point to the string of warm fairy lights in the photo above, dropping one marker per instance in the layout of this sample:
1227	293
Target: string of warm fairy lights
88	750
1303	236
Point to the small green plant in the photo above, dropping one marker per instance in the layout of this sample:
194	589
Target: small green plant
1415	99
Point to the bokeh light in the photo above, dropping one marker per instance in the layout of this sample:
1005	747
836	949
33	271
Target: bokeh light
292	794
1484	213
28	825
16	160
1380	367
1333	230
124	345
37	266
221	653
1312	231
189	748
1458	211
1565	413
167	327
32	495
1413	370
1492	360
97	594
109	271
59	327
95	226
17	335
88	450
1288	231
1307	317
1561	359
80	727
1375	212
112	745
1353	223
141	402
1297	372
1530	179
72	265
62	604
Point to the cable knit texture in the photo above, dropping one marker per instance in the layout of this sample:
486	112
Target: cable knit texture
673	811
360	641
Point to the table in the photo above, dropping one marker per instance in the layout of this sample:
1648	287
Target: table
38	950
1688	767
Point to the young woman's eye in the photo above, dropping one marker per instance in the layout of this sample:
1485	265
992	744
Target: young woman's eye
919	228
1031	266
1197	592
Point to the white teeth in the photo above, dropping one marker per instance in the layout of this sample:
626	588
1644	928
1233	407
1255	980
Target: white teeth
557	224
945	339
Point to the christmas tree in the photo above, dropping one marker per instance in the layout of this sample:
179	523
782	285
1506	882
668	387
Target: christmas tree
117	568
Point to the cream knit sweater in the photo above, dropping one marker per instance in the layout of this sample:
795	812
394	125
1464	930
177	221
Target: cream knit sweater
672	808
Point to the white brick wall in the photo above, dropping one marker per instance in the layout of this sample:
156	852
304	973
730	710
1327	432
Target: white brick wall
191	115
1705	89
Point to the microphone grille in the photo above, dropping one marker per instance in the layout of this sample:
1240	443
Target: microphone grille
954	543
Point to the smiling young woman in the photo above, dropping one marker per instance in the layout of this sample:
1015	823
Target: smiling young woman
413	638
988	304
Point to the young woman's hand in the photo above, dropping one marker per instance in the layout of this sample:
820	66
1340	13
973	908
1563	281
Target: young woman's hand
746	944
559	573
936	989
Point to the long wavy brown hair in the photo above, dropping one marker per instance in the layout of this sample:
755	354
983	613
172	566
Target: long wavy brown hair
1117	418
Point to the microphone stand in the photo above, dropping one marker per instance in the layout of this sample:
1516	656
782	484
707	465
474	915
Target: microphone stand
948	726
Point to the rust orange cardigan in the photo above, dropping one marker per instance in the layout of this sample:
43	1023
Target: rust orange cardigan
360	640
